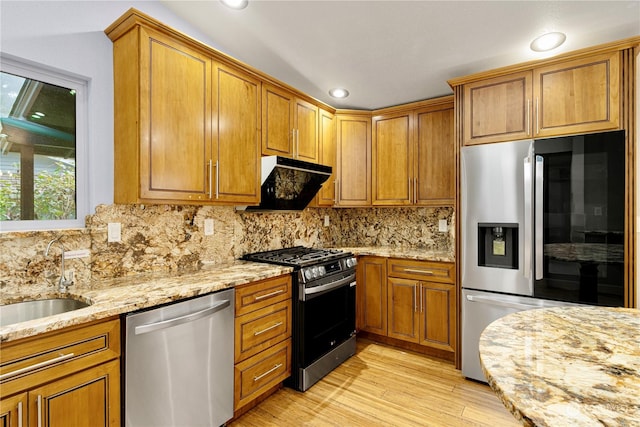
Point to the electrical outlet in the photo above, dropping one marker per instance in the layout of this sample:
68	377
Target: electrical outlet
114	232
208	227
326	220
442	226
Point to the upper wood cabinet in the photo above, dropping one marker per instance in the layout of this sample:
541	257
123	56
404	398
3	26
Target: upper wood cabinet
564	97
578	96
353	159
186	128
328	156
236	135
413	156
290	125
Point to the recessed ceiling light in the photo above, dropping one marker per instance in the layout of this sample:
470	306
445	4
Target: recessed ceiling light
235	4
548	42
339	93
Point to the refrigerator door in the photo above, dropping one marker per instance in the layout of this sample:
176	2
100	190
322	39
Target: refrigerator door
496	186
479	310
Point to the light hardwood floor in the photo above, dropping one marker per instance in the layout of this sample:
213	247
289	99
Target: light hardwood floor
384	386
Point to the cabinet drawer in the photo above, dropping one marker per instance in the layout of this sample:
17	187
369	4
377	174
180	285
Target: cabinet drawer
261	294
261	372
261	329
422	270
33	361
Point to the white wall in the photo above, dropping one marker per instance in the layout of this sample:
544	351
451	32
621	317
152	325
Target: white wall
69	35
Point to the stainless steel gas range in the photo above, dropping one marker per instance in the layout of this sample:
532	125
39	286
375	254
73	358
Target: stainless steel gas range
324	309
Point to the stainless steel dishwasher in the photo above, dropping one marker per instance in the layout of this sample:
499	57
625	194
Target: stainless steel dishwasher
179	363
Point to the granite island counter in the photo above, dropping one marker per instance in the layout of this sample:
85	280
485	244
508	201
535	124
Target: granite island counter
576	366
130	293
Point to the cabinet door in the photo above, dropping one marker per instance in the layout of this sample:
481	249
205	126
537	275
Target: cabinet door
437	315
88	398
236	130
434	177
498	109
392	172
354	160
306	128
578	96
13	411
372	295
327	146
277	121
402	306
175	120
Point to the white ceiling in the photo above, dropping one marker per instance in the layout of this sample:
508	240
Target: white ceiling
392	52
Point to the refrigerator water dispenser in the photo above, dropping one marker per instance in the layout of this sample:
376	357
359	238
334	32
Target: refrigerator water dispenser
498	245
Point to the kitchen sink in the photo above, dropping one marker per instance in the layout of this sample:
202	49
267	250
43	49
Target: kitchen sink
29	310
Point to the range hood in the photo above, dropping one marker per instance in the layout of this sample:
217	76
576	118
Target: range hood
288	184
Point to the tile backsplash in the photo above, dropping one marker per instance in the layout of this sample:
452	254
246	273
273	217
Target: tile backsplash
170	237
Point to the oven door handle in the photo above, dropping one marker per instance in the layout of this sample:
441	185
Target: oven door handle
349	280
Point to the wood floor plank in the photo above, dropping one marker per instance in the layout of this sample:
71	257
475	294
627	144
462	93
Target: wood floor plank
384	386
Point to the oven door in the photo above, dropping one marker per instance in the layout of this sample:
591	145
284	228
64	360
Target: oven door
327	318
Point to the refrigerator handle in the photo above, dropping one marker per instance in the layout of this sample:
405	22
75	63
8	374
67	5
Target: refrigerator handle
539	191
528	213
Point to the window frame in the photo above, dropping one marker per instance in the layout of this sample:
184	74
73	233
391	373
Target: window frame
47	74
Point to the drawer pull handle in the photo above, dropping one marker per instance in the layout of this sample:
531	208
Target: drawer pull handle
35	366
261	376
415	270
270	294
255	334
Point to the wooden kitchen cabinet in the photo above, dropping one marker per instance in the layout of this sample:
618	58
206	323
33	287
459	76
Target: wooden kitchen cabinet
77	385
187	128
422	303
564	97
328	156
579	96
413	155
236	136
371	296
262	339
353	133
290	125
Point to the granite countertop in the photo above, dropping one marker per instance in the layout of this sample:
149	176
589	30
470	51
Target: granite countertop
401	252
123	295
577	366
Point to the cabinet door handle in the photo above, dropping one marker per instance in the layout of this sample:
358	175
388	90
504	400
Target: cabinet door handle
409	194
415	298
255	334
19	414
415	190
421	299
537	116
35	366
270	294
261	376
210	166
39	403
528	117
335	191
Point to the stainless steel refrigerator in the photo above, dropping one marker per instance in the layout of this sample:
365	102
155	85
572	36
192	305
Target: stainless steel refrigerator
542	225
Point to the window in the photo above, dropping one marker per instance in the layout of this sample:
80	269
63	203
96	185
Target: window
43	161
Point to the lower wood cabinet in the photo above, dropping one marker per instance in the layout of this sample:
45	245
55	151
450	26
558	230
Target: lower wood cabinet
262	339
408	300
64	378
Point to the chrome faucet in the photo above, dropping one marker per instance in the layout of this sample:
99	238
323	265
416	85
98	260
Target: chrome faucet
63	282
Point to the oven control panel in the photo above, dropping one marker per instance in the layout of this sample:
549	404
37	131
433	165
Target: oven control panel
321	270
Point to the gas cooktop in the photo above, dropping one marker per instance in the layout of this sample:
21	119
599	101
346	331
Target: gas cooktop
298	256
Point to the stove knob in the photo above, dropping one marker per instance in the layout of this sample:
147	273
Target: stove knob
308	274
314	270
351	262
322	270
